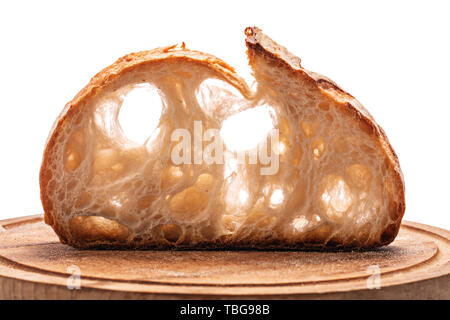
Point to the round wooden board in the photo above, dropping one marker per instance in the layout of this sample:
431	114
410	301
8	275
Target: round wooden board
34	265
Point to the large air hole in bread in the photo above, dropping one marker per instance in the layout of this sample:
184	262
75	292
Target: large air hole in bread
109	179
140	113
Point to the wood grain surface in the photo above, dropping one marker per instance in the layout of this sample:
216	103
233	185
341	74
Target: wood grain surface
34	265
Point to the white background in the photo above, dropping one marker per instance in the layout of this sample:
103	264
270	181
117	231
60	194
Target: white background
393	56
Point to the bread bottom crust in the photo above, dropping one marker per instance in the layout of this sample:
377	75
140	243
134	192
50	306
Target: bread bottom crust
228	244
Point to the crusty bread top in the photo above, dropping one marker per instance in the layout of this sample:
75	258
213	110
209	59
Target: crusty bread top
339	179
259	42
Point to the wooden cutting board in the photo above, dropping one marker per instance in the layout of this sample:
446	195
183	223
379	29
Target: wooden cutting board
34	265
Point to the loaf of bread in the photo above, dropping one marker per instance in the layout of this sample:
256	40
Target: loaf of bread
332	180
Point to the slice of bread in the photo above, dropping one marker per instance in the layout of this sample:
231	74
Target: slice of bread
337	183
